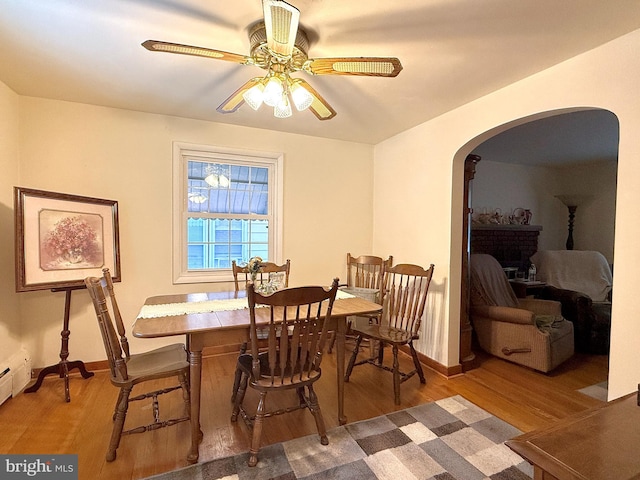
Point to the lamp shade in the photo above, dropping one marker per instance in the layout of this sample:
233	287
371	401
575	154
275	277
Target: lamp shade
302	99
283	108
273	92
254	96
573	200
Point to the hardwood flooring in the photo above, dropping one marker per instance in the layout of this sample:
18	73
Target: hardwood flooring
43	422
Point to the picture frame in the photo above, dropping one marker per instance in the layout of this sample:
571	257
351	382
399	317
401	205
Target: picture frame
61	238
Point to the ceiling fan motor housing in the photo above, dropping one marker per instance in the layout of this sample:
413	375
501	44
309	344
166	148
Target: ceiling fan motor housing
263	57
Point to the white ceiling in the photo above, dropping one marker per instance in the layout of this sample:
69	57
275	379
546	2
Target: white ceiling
583	137
452	51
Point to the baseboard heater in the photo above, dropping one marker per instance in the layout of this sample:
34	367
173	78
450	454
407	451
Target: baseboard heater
15	375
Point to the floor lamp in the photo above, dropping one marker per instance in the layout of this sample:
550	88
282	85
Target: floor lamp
571	201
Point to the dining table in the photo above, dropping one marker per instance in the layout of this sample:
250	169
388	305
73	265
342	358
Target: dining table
222	318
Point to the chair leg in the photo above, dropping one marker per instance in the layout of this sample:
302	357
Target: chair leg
186	396
352	360
396	375
332	342
380	352
115	409
120	416
417	364
301	399
236	380
257	431
314	406
242	389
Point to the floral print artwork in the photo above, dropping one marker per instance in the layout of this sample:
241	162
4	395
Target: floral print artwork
70	240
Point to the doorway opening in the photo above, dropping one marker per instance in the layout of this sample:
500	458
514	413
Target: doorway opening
526	165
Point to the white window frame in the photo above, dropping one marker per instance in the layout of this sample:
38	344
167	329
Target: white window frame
182	153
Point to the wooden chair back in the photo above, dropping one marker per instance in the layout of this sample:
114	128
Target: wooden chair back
263	276
405	296
114	337
296	357
366	271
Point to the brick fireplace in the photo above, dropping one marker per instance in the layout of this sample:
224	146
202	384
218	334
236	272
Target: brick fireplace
511	245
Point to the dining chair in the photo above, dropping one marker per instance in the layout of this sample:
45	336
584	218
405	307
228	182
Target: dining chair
366	273
403	303
129	370
266	274
290	361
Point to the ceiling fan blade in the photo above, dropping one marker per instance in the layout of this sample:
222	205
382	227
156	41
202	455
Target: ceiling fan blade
157	46
235	100
281	25
319	106
365	66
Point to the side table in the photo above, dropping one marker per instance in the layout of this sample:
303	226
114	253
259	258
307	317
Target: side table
524	288
601	443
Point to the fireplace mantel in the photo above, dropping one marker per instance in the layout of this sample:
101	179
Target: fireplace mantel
511	245
515	228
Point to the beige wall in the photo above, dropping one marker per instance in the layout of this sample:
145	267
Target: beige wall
595	218
10	325
506	186
418	189
126	156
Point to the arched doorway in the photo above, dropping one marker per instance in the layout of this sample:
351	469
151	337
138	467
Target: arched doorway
563	139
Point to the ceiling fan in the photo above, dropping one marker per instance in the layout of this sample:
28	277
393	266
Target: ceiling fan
279	45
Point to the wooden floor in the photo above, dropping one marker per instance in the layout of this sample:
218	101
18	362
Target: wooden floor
43	422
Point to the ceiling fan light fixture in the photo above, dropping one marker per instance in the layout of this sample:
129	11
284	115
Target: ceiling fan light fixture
283	108
212	180
279	45
301	97
223	181
273	91
254	96
197	197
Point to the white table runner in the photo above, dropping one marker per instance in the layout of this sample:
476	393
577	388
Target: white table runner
206	306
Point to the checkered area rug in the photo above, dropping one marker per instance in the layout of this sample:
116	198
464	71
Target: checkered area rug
451	439
599	391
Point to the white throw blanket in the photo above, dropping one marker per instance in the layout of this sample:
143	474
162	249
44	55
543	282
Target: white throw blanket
489	284
579	270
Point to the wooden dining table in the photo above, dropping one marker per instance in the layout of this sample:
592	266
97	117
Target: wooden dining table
222	318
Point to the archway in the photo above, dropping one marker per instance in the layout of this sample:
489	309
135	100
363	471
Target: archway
575	127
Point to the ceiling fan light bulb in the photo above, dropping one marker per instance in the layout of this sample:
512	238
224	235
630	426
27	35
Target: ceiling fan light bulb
254	96
302	99
272	94
283	108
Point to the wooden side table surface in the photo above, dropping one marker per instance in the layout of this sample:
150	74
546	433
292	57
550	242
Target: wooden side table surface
524	288
599	444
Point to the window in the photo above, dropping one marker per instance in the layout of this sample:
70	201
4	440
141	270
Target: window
227	206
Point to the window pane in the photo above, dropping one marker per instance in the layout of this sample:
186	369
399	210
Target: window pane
196	257
226	188
215	242
259	231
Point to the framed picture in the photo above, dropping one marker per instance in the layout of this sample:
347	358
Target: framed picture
62	238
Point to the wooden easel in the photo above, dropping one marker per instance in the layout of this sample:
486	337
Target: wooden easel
63	367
